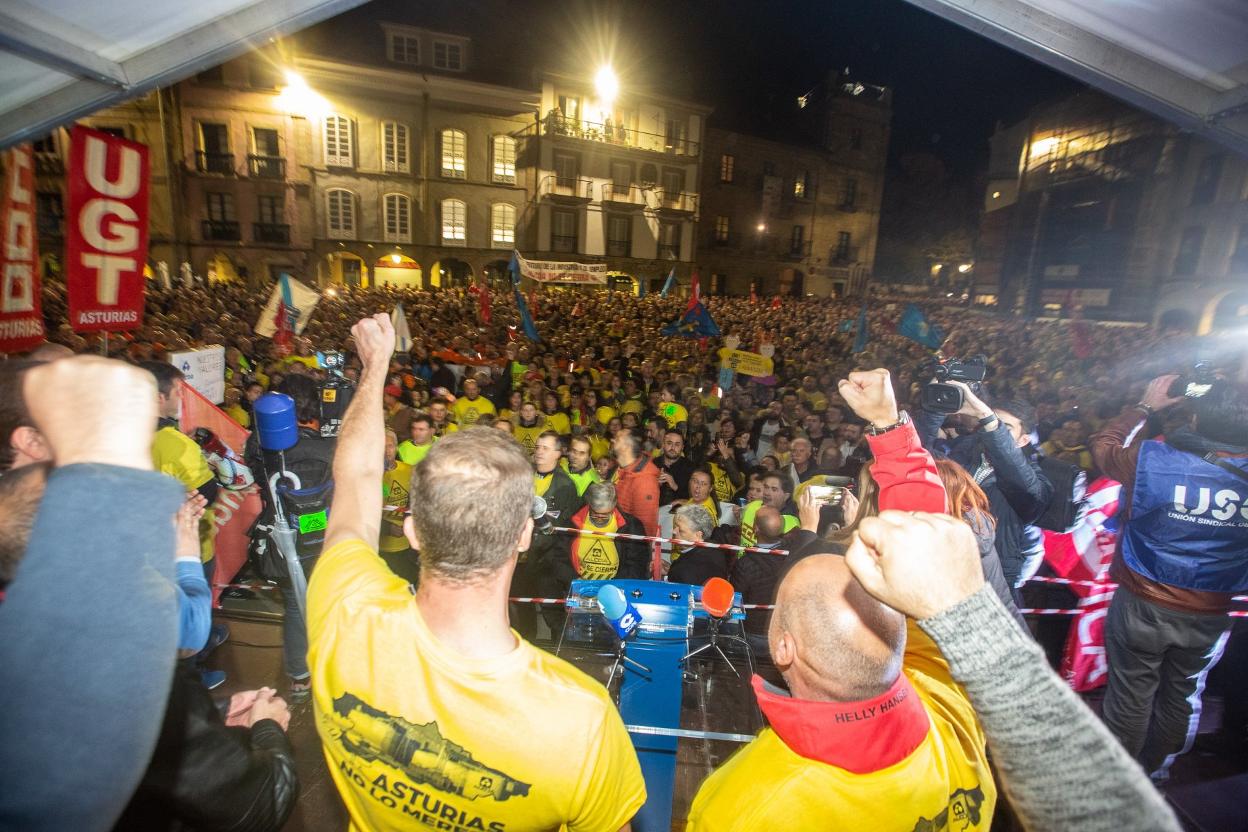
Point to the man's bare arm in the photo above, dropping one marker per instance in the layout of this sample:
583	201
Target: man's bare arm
359	460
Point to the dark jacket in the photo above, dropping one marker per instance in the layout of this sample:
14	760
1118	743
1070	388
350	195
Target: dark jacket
1018	491
209	776
549	552
994	575
699	564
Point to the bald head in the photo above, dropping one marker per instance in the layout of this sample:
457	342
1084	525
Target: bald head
768	524
830	639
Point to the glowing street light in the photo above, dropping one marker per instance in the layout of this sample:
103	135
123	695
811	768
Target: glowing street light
607	85
964	268
297	97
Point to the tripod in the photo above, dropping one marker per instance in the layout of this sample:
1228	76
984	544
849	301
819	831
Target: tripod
714	623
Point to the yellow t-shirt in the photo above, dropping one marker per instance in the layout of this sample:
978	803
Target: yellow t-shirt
239	415
176	454
394	488
418	735
468	412
558	422
817	400
528	436
945	783
411	454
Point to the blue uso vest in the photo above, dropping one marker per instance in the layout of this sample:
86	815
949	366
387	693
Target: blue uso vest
1189	521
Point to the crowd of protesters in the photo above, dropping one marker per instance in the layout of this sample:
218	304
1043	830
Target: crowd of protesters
619	429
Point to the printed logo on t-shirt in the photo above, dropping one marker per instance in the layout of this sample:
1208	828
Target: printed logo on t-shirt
963	812
434	767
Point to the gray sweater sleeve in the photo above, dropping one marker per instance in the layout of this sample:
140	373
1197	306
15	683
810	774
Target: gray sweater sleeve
88	637
1059	766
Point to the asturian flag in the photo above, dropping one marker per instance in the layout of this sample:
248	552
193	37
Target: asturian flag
696	322
669	283
526	320
915	326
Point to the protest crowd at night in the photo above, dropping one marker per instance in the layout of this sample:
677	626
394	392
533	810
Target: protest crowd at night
618	411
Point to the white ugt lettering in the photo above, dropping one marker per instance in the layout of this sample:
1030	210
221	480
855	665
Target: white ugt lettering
126	184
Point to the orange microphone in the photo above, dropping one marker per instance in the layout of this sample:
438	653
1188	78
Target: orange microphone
717	597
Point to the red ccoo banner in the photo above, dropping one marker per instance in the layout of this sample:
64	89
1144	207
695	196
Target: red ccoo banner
21	306
106	245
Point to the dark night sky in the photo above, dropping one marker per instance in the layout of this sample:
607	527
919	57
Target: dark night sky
749	58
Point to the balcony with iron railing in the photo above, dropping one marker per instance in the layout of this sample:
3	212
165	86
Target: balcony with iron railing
681	202
221	230
206	162
619	248
724	239
266	167
567	189
797	249
564	244
271	232
623	195
559	126
669	251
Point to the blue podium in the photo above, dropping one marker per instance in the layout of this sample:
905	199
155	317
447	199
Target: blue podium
652	663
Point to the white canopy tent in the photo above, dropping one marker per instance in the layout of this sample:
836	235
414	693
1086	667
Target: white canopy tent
66	58
1183	60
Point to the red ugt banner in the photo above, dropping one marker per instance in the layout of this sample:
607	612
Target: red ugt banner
106	241
21	305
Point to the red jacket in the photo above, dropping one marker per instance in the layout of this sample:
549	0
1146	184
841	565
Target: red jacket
637	493
905	472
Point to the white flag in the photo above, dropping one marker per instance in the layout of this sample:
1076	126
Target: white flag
302	299
402	335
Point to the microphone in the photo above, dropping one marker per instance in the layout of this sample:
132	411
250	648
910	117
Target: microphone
618	610
717	597
541	520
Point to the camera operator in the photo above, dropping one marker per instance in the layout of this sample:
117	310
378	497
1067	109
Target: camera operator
1181	556
1000	457
311	459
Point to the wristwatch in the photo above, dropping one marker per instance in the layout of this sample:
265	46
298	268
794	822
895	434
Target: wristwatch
987	420
1148	409
904	420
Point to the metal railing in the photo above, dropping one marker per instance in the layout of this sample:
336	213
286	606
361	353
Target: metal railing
570	187
630	194
843	255
619	248
729	239
678	201
220	230
266	167
669	251
206	162
563	243
270	232
558	125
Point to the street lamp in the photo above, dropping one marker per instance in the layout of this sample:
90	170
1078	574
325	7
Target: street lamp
607	85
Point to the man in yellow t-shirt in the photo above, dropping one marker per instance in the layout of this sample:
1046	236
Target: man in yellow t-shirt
413	450
430	708
392	545
471	407
874	735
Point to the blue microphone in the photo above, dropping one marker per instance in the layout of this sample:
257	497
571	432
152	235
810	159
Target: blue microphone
618	610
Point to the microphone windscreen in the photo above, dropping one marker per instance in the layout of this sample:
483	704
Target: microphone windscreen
717	597
538	510
612	601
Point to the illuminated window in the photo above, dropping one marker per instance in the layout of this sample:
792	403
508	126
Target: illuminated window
454	222
799	185
454	154
398	218
504	159
722	226
726	165
503	225
394	149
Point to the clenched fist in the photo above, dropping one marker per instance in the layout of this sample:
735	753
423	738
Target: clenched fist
869	393
918	564
374	341
93	409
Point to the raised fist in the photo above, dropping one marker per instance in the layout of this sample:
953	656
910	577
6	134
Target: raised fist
869	393
918	564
